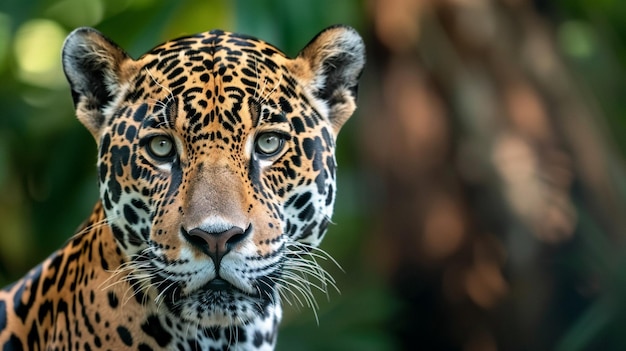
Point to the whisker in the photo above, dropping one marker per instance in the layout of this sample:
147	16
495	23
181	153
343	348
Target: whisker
170	95
269	95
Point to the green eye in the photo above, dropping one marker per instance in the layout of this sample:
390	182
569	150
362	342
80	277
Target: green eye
161	146
269	144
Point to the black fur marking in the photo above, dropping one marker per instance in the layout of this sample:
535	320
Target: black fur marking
285	105
113	301
125	335
302	200
46	309
119	159
307	213
135	171
329	196
239	334
22	308
153	328
138	203
140	112
119	235
33	338
114	191
14	344
3	315
175	73
258	339
239	42
176	179
165	65
131	132
103	261
121	128
63	310
84	314
104	145
130	214
49	282
269	51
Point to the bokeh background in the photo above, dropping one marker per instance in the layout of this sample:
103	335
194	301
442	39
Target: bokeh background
482	192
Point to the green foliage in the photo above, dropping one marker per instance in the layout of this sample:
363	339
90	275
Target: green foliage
591	33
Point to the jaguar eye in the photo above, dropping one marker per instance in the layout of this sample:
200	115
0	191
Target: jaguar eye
269	144
161	146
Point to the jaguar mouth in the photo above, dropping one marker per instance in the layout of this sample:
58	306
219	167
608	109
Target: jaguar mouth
223	287
219	284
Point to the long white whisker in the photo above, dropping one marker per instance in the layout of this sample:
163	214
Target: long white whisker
269	95
170	93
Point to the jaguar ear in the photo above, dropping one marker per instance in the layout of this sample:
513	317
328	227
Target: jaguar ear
93	66
335	57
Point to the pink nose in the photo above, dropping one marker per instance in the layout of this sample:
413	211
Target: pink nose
216	245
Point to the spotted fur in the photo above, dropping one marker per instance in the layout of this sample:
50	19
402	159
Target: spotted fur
217	180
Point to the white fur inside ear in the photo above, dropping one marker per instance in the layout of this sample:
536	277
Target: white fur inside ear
343	53
336	57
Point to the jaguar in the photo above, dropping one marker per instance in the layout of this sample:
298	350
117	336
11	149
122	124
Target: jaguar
217	178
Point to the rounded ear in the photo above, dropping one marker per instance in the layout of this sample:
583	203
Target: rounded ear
336	57
93	67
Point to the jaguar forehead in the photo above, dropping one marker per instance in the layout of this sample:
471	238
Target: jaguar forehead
195	73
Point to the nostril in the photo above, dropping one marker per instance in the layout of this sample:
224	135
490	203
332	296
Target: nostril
195	239
236	238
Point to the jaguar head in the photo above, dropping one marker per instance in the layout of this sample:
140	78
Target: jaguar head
216	162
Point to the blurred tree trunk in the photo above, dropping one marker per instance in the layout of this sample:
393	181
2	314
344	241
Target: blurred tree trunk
479	144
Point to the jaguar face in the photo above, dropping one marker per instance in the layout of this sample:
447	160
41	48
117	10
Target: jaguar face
216	163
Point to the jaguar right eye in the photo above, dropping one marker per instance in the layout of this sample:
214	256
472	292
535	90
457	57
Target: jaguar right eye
161	147
269	144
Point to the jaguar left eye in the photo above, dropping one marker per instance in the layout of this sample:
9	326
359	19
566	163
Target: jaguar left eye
269	144
161	147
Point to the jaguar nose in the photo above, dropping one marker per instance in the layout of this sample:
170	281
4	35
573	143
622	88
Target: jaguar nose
217	244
